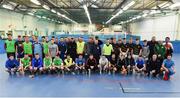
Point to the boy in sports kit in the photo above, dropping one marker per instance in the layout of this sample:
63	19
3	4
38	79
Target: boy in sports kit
19	48
145	50
137	49
80	46
107	49
131	45
10	46
91	64
62	48
124	48
160	50
69	65
140	65
37	47
47	63
57	65
130	63
80	64
28	47
25	63
113	63
121	65
45	45
53	49
169	47
153	66
12	65
168	67
103	64
37	65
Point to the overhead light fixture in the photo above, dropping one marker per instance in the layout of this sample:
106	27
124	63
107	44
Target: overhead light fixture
129	5
7	6
87	13
43	17
38	16
174	5
155	12
32	14
35	2
52	10
144	15
121	11
46	7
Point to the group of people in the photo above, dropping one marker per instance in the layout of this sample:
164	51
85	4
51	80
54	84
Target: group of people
75	56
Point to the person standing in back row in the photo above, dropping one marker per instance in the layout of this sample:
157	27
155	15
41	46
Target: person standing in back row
19	48
53	49
151	45
28	47
80	46
107	49
124	48
10	46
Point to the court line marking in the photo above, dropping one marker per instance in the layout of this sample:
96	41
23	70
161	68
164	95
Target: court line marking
145	92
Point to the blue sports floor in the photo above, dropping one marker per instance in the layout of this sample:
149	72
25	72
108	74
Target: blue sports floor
88	86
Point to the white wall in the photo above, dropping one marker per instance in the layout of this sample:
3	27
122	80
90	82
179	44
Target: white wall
160	27
10	20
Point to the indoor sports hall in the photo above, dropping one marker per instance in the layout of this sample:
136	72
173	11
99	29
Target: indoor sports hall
89	48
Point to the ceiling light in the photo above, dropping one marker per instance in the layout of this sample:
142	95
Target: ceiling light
87	13
46	7
144	15
35	2
52	10
174	5
38	16
32	14
121	11
7	6
129	5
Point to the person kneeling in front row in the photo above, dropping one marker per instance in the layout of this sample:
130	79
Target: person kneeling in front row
12	65
37	65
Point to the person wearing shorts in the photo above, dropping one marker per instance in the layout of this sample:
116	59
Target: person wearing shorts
10	46
168	67
25	64
19	48
57	65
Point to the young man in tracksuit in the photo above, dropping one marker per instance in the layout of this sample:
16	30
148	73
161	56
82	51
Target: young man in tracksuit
10	46
12	65
145	50
151	45
153	66
62	48
96	51
160	50
124	48
37	65
91	64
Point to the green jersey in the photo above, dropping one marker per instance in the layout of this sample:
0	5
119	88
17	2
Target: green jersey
10	45
27	47
25	62
57	62
47	62
45	47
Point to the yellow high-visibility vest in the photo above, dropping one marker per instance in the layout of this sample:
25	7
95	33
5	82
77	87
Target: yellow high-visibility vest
80	47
